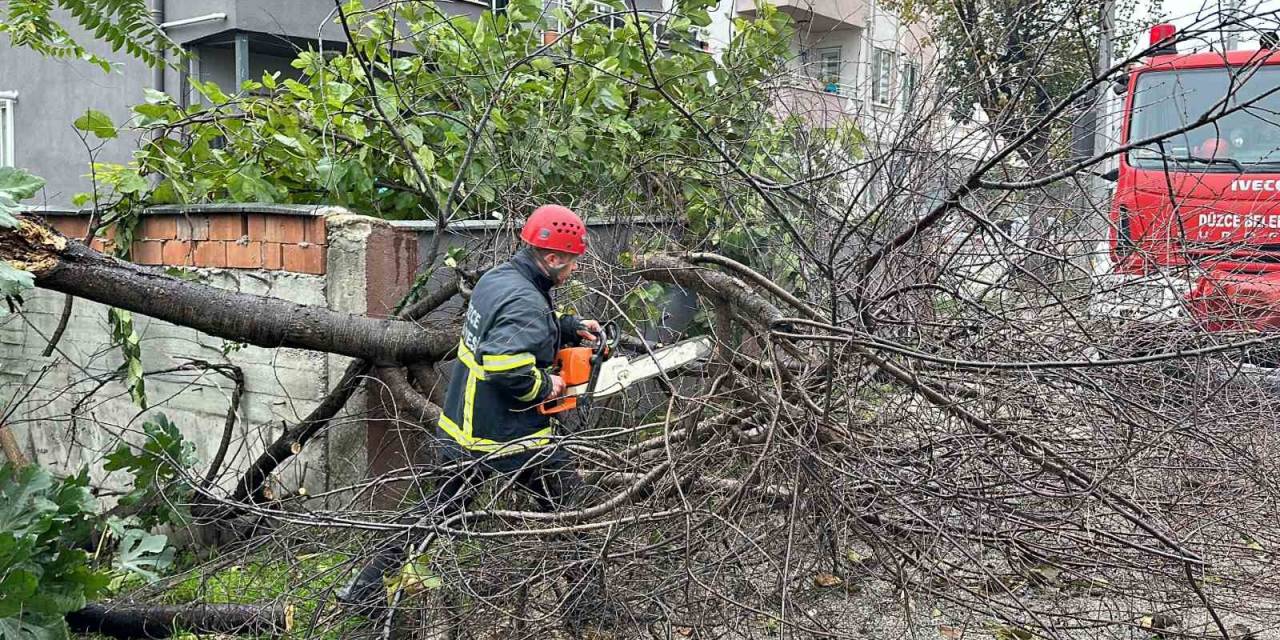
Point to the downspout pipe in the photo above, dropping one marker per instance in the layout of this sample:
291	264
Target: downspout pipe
157	73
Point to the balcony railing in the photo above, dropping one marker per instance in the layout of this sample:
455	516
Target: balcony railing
820	15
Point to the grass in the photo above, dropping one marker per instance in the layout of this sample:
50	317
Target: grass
305	583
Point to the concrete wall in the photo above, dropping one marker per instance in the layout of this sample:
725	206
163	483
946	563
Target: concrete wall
337	259
320	256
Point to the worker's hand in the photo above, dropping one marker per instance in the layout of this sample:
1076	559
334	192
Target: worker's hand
589	331
557	386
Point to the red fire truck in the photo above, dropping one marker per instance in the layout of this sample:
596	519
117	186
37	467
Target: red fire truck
1198	209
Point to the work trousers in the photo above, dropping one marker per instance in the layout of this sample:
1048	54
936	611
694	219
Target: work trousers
552	483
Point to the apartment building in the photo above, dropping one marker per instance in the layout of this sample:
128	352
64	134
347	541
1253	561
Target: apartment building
850	59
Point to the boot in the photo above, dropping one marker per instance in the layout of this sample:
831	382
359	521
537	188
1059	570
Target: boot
366	593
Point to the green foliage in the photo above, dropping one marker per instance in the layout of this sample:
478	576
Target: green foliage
641	303
125	25
484	109
43	574
97	123
141	553
159	470
15	185
123	335
14	281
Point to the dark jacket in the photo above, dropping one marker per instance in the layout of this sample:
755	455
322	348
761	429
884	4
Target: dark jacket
510	336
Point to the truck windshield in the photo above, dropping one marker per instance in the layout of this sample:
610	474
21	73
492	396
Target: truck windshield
1245	140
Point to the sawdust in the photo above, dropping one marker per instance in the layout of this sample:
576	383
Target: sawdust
31	247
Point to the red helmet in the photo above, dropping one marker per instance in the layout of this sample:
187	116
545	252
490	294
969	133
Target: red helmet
557	228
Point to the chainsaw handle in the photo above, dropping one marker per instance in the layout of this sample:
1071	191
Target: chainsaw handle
558	405
607	340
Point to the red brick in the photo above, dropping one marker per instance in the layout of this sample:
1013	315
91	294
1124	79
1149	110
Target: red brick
272	256
211	253
246	255
257	226
304	258
226	226
178	253
70	226
193	227
286	229
148	252
159	227
313	231
102	246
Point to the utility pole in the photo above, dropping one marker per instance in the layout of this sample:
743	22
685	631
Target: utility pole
1101	136
1102	114
1230	11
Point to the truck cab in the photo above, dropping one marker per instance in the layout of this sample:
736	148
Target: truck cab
1196	205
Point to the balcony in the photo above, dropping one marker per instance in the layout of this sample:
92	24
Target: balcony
818	15
820	104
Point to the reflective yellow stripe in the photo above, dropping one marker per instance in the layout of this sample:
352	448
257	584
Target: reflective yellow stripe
463	435
540	439
466	357
493	363
508	362
469	406
537	386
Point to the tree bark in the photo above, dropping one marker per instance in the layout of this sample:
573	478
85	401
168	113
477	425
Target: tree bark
9	444
73	268
163	621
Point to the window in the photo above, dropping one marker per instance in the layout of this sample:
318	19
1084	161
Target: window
600	12
824	66
881	75
7	103
910	82
1246	139
828	69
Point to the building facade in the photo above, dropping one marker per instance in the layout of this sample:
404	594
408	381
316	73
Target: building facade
851	59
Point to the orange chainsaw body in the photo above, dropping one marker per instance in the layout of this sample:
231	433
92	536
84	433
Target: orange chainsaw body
573	364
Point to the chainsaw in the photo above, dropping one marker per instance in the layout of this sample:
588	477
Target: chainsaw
596	371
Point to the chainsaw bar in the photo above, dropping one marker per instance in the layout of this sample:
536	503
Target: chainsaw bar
616	374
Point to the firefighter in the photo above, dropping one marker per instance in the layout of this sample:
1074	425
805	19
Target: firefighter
489	423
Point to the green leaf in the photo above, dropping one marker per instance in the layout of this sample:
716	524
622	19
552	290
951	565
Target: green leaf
18	184
131	183
8	210
156	97
144	554
14	281
24	629
290	142
297	89
97	123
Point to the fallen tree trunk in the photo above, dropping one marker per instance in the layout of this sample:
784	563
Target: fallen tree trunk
253	484
163	621
70	267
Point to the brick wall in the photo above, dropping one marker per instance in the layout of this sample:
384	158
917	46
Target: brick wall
320	256
280	241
